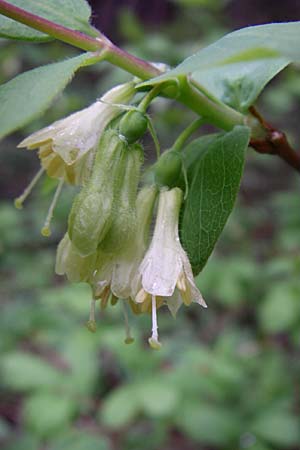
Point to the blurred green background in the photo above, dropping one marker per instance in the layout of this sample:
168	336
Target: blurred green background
227	377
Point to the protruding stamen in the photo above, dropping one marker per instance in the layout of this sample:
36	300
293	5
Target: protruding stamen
105	296
20	200
91	323
181	283
46	231
128	339
184	289
153	340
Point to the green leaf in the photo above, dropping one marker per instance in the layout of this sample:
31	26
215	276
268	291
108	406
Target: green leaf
212	193
195	149
158	398
79	351
79	440
24	372
279	428
227	278
47	413
120	408
237	67
73	14
22	441
250	442
239	84
207	423
25	97
280	310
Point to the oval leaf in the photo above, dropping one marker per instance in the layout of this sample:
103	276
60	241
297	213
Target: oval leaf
120	407
212	193
239	84
237	67
28	95
73	14
47	413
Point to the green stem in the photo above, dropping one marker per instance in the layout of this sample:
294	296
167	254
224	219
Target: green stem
154	137
218	114
55	30
136	66
149	97
183	137
101	43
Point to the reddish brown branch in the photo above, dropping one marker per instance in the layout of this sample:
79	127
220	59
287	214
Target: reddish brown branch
275	143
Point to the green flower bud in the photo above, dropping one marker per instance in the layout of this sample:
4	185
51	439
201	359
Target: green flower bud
91	214
168	168
133	126
123	225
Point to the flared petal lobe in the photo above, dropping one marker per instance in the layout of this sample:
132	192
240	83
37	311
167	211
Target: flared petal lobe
166	267
65	145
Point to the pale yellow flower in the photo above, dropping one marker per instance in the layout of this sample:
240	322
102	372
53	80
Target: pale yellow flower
67	147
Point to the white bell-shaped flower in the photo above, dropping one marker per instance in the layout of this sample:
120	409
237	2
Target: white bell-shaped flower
66	147
165	267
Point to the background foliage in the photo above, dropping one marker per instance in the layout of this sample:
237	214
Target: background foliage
227	377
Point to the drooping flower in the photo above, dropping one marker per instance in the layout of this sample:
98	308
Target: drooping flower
66	147
127	263
165	267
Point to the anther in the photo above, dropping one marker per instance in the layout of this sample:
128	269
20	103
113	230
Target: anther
91	323
20	200
153	340
46	230
128	339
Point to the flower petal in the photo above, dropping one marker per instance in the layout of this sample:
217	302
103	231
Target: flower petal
174	302
194	291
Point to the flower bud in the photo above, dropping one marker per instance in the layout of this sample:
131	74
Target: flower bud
91	214
168	168
133	126
123	225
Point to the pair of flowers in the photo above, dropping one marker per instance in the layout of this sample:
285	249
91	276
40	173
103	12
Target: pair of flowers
146	275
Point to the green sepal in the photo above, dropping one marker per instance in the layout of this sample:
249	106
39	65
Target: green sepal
133	126
168	168
123	225
91	214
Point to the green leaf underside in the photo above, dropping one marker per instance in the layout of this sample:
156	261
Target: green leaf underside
73	14
237	67
214	185
240	84
28	95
